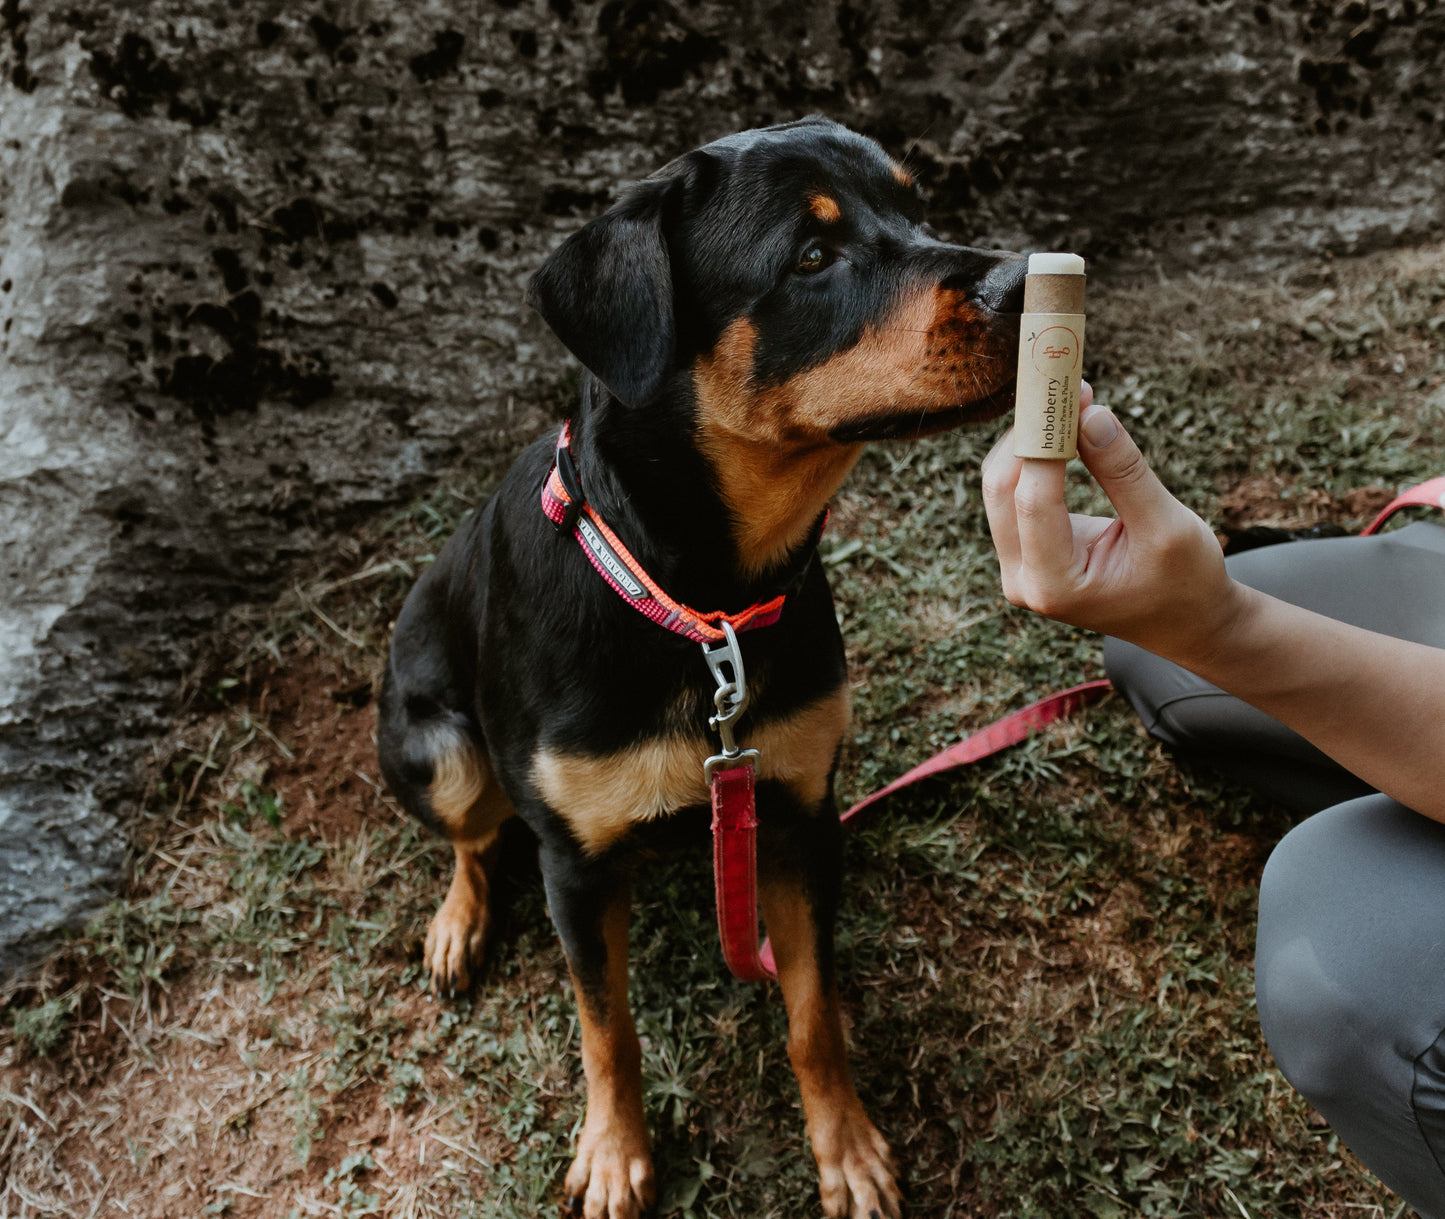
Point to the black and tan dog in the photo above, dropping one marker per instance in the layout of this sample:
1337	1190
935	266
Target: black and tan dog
748	316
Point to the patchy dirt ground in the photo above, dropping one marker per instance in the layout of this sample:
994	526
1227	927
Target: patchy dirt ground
1048	958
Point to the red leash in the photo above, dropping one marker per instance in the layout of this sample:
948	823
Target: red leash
1427	495
735	874
731	776
997	737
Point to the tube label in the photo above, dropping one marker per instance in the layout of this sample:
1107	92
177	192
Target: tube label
1051	362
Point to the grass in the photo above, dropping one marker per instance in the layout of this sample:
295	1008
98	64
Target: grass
1047	957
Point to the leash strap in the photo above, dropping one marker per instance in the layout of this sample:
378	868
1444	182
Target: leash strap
1429	494
997	737
983	744
731	778
735	873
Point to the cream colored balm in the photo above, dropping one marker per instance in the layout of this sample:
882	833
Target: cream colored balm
1051	358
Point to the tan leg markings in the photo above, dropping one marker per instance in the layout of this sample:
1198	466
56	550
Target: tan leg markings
459	780
855	1166
611	1178
456	940
471	808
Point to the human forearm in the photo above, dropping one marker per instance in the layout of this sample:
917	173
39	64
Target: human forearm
1373	703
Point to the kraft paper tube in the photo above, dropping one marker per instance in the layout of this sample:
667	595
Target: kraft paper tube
1051	358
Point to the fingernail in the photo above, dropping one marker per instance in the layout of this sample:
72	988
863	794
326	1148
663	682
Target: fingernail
1101	427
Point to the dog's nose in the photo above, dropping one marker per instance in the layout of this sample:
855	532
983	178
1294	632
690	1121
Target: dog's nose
1002	289
993	278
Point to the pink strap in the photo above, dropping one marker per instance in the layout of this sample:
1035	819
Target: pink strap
995	738
1427	495
615	564
735	872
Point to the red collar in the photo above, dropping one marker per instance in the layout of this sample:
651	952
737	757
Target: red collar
566	507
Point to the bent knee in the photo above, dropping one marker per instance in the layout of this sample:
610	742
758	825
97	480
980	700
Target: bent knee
1316	1029
1337	999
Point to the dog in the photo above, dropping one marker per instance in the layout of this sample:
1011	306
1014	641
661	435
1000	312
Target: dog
747	317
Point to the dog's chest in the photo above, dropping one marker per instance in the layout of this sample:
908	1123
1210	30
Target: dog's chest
602	795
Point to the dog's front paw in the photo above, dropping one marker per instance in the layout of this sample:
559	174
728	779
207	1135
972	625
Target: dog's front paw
611	1177
456	941
855	1167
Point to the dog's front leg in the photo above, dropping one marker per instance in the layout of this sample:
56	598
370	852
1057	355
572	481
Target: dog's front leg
612	1176
800	876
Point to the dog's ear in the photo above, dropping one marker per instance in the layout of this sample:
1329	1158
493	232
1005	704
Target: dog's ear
607	293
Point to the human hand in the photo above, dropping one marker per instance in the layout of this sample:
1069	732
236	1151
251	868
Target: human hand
1154	576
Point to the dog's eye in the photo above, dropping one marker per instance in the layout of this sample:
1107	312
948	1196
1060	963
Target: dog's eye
813	260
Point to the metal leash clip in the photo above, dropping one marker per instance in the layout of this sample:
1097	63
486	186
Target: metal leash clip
725	660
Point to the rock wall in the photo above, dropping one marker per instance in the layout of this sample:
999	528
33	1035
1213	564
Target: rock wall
261	264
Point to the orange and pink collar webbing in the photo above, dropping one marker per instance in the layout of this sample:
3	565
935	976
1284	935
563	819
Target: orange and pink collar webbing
566	508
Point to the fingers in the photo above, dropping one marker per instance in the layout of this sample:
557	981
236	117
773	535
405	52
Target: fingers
1045	530
1116	463
1000	476
1040	545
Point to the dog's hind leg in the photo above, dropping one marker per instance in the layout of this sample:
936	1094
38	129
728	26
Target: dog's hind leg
439	770
468	804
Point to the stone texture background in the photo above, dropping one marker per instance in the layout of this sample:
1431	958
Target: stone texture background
261	264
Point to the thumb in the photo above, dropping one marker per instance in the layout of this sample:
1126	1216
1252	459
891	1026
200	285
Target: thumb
1116	463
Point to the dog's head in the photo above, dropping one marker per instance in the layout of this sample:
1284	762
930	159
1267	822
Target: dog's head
783	284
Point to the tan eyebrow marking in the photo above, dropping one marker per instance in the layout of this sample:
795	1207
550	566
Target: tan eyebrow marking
904	177
826	208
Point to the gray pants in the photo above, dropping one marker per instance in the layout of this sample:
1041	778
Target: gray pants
1350	957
